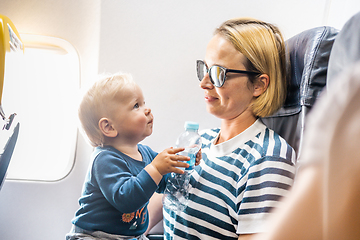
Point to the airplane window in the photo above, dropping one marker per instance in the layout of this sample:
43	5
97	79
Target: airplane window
45	103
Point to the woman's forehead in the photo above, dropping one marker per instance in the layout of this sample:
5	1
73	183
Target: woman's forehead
221	51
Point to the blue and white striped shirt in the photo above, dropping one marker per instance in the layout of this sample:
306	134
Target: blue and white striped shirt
235	186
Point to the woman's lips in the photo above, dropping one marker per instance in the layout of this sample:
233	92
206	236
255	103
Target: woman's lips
209	98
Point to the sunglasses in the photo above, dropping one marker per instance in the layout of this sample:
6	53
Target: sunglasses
217	74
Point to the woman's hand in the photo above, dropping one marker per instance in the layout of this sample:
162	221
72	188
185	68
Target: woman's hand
198	157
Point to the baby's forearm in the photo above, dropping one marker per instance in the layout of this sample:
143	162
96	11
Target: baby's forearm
154	173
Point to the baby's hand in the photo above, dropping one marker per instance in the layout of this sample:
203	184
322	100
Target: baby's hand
167	161
198	158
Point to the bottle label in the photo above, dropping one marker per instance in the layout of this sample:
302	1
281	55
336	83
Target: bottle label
191	162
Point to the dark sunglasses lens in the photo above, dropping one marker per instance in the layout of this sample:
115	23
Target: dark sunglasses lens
217	75
201	70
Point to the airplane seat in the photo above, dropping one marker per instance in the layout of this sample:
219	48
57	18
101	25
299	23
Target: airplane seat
5	156
341	215
307	63
346	49
10	42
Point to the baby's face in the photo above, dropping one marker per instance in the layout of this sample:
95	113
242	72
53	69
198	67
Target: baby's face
132	119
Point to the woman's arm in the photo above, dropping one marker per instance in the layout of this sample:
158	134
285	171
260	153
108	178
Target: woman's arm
155	211
245	236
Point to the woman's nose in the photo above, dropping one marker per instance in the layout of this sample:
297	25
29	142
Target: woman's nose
205	83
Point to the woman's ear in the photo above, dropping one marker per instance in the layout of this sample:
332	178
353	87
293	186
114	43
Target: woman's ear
107	128
261	84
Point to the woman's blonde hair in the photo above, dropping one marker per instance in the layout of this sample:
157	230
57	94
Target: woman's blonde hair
263	45
98	102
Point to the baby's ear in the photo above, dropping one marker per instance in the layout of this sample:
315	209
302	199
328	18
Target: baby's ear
107	128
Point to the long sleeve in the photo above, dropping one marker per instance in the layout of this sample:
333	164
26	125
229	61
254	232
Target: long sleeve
123	184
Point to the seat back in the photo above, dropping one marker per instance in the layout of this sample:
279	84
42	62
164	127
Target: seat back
342	168
346	49
5	156
307	61
10	43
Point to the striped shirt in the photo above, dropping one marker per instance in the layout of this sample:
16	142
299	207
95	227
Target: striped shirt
235	186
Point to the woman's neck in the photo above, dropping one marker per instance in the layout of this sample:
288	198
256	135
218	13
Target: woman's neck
233	127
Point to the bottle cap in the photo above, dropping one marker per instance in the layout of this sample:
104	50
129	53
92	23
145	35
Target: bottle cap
191	125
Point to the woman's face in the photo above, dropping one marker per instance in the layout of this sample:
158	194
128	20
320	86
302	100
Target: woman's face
233	99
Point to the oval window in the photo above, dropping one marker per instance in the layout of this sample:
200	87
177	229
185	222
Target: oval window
45	103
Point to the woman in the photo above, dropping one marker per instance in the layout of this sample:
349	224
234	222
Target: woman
246	167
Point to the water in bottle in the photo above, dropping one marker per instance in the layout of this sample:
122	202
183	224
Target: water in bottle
177	189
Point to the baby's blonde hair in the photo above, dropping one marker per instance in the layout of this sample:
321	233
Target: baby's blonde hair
263	45
96	104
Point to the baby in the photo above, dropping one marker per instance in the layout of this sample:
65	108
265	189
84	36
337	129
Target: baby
123	174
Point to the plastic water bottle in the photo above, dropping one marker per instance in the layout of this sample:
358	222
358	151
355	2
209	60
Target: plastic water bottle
176	193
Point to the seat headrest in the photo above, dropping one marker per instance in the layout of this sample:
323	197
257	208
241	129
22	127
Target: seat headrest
308	55
346	49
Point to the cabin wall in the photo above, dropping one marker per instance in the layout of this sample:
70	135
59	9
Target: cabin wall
157	42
